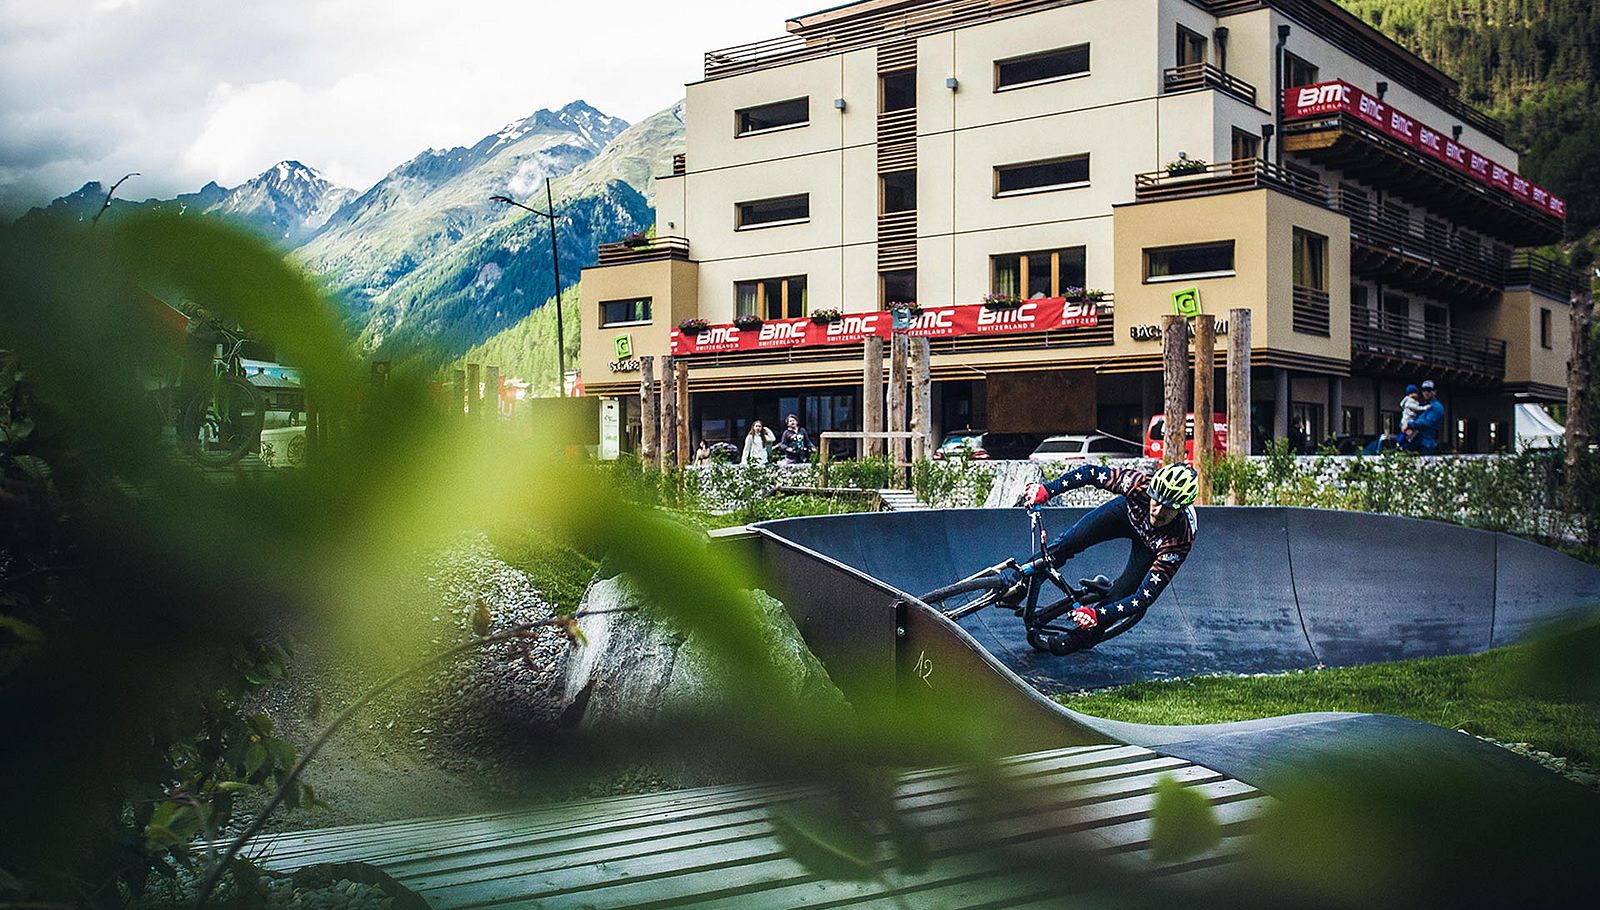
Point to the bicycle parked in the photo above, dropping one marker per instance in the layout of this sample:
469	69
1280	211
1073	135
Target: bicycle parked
220	421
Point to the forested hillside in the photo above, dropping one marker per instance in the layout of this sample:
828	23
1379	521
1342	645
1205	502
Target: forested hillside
1531	63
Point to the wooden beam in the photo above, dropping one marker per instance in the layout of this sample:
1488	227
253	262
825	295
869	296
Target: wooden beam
1175	383
669	414
491	392
872	397
1205	373
1238	388
1579	397
649	421
473	407
921	398
682	383
898	350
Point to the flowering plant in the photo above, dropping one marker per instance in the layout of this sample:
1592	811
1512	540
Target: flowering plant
693	326
905	307
747	321
1186	166
999	301
825	316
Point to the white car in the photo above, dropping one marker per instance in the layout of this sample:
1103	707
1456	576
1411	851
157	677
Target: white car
1083	447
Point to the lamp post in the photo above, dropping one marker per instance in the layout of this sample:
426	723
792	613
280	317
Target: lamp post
555	265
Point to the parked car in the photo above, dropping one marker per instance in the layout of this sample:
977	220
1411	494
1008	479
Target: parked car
1082	447
1155	435
986	446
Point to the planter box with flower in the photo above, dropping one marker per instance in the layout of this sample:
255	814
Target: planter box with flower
1186	166
999	301
823	317
636	239
747	322
693	326
1083	295
905	309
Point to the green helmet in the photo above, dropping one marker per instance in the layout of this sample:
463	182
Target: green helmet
1175	486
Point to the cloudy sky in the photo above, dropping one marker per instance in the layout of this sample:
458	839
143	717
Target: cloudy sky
186	91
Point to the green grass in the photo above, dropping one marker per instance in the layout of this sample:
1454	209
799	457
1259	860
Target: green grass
1480	693
560	573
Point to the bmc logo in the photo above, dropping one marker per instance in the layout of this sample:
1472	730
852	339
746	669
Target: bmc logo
1372	108
783	331
934	319
1079	309
1400	123
720	334
1428	138
1022	315
854	325
1313	95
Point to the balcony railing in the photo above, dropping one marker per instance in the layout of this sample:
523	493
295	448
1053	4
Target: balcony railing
680	164
1227	177
644	250
1398	343
1204	75
1311	314
1425	242
1528	268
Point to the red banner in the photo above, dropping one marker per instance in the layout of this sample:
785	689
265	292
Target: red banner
1339	97
1039	315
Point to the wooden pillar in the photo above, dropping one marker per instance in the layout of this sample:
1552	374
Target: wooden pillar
921	398
1175	383
1205	379
473	407
1238	388
491	392
649	452
872	396
1579	398
669	413
1280	403
458	393
898	349
685	449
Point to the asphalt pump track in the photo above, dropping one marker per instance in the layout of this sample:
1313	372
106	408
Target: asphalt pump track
1264	590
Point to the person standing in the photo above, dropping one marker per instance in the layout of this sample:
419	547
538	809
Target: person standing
756	444
702	455
1426	426
795	446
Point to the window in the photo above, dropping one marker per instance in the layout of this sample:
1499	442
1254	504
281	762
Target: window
1436	321
898	191
1060	63
897	91
1044	273
1245	145
1544	328
1310	260
1350	421
1309	416
899	286
776	116
1191	48
772	212
1297	71
1389	422
1497	436
624	312
1197	260
1039	176
771	298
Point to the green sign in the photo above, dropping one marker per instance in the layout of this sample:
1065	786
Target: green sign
623	345
1186	302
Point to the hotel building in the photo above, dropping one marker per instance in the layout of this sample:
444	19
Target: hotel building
1089	158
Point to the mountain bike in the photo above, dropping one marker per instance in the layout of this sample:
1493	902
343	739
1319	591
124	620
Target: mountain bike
1017	587
222	421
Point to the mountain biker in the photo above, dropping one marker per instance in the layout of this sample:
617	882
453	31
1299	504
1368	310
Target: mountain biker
1154	511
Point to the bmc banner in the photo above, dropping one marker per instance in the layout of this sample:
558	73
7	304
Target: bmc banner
1041	315
1339	97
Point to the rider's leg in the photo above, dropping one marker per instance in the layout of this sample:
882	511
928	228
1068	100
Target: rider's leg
1107	522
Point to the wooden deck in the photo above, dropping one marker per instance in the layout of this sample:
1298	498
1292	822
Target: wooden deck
716	847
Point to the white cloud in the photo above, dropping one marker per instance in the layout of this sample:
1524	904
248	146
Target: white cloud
187	91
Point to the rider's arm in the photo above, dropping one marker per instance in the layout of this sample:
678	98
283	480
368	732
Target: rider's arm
1150	587
1116	480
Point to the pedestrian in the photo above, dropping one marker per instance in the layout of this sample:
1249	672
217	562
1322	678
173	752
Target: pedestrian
756	444
1299	439
795	446
1425	427
1410	406
702	455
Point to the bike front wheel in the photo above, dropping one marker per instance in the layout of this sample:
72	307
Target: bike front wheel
222	424
968	595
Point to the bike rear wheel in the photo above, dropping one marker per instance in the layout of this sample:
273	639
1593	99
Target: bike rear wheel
223	423
966	596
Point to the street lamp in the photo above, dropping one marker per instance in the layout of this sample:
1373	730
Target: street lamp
555	264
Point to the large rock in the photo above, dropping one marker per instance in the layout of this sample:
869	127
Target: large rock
635	669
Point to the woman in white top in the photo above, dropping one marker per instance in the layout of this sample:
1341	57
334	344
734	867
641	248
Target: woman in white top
756	444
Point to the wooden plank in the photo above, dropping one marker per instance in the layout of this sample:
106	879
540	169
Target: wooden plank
649	424
1238	388
872	395
897	393
1175	385
1205	372
668	404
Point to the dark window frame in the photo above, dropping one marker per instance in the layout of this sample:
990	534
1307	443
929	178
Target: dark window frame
606	322
1001	85
884	90
1546	328
1293	62
1229	272
1188	37
889	277
741	211
764	306
1000	170
1307	241
884	191
742	115
1058	279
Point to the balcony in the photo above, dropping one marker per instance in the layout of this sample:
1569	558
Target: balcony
1424	254
1194	76
1227	177
680	164
1384	343
1537	271
1312	312
647	250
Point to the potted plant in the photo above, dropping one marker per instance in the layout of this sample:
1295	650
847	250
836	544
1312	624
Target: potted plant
823	317
693	326
1000	301
905	309
1094	295
1185	165
747	322
635	239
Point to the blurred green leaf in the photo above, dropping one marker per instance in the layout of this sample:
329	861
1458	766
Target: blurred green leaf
1564	661
25	631
825	839
1182	822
